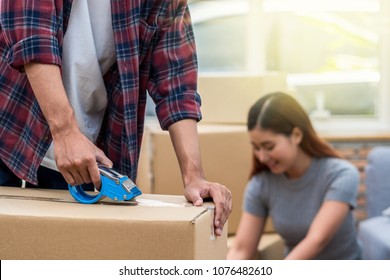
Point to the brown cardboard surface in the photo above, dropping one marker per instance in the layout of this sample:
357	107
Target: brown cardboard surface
226	158
226	98
49	224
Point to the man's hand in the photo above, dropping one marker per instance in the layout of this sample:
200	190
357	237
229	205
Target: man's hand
76	159
197	190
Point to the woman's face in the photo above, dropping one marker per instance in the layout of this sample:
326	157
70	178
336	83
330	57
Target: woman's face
277	151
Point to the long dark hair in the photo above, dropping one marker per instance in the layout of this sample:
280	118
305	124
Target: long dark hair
281	113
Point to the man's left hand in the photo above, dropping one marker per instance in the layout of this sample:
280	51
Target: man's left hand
197	190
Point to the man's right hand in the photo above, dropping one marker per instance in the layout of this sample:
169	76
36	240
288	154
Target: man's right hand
75	155
76	158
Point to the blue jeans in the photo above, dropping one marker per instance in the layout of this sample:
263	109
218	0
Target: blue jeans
47	179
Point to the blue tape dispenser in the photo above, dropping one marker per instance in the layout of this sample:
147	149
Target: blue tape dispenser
116	186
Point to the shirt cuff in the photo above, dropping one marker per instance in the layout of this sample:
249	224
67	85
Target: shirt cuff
178	107
38	49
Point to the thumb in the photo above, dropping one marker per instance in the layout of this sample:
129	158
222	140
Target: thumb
101	158
196	198
198	201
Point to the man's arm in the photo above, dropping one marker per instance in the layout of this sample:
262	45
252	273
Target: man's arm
75	155
184	138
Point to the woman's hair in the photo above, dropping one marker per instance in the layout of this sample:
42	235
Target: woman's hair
281	113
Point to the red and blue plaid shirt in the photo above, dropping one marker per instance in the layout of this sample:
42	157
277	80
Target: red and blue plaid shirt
155	53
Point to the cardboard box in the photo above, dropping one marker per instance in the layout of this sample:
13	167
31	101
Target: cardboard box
226	158
49	224
271	247
226	98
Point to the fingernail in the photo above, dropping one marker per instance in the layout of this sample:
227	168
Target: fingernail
198	202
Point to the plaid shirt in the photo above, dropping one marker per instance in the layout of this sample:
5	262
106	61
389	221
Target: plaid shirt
155	53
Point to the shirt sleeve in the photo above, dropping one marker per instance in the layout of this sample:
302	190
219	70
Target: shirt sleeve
32	30
173	80
254	200
344	186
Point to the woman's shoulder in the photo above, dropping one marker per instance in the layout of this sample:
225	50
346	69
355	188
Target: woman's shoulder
337	165
259	184
263	180
262	176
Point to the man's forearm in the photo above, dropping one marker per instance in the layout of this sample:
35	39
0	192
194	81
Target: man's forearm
46	82
184	137
75	154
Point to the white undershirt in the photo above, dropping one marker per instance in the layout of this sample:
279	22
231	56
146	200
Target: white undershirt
88	53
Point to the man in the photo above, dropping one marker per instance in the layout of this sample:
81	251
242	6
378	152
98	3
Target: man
73	82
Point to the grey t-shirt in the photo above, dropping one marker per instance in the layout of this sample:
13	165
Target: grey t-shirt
293	203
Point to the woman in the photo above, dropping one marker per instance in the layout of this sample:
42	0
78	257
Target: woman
300	182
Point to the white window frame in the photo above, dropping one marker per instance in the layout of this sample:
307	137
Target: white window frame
380	122
256	60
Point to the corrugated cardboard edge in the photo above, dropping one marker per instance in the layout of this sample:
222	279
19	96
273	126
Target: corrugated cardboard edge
204	247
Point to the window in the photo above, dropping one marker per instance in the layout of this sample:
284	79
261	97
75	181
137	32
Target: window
334	52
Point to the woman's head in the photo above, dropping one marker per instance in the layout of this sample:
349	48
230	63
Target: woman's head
280	129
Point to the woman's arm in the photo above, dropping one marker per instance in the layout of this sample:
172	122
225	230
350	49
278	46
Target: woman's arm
247	238
324	226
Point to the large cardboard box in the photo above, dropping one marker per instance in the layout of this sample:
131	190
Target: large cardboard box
49	224
226	157
227	97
